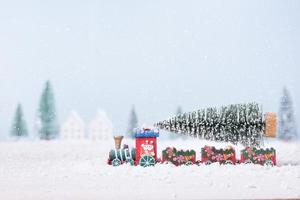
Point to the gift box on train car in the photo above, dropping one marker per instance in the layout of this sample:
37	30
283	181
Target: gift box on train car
209	155
181	157
258	156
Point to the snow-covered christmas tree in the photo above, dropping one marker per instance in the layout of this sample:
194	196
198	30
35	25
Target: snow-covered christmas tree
243	123
19	127
48	128
133	123
286	126
176	136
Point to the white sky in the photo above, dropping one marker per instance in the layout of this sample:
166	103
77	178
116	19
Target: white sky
154	54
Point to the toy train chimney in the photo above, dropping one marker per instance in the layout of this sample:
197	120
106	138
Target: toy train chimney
118	141
271	124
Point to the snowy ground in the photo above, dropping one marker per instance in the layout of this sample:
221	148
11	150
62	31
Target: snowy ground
78	170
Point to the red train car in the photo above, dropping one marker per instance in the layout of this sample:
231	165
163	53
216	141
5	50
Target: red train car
258	156
210	154
178	157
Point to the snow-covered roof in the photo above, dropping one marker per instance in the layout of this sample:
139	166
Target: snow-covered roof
100	127
101	119
73	120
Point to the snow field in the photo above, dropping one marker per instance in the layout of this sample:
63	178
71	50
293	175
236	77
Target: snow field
78	170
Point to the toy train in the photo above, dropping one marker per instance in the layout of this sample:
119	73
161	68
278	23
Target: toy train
145	153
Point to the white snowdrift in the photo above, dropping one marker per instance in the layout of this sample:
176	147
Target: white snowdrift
78	170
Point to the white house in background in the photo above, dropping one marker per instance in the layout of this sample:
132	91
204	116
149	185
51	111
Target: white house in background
73	127
100	128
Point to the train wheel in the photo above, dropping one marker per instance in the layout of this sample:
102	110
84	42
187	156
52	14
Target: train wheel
269	163
116	162
228	162
247	162
147	161
188	163
130	161
208	162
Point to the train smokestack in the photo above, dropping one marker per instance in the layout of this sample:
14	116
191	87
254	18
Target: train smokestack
118	141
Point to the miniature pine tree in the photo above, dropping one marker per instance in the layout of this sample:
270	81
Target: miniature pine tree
19	127
47	115
172	135
234	123
133	123
286	126
179	110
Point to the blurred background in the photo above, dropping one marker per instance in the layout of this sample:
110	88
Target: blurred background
153	55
